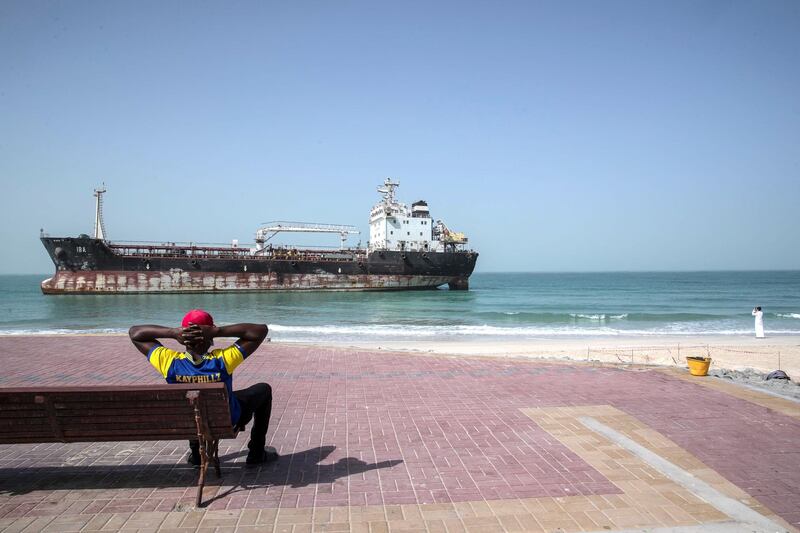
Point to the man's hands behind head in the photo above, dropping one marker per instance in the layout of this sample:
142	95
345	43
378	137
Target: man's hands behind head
195	336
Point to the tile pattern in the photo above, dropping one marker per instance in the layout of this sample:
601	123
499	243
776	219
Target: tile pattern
381	439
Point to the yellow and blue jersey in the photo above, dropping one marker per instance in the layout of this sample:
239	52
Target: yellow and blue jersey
217	365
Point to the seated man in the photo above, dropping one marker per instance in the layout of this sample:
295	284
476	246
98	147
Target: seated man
198	365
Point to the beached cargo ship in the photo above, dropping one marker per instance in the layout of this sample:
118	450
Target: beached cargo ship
406	250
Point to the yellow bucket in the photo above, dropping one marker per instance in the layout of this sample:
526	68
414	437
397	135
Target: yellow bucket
698	366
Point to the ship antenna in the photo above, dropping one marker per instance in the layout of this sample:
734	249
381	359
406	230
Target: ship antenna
387	190
99	225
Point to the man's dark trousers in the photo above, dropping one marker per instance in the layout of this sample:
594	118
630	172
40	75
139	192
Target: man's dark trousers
256	404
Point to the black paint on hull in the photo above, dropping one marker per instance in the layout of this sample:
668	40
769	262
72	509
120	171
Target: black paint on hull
86	265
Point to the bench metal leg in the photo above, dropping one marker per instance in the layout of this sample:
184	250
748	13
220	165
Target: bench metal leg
216	458
208	445
203	467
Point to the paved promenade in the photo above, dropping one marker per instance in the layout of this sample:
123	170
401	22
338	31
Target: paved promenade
373	442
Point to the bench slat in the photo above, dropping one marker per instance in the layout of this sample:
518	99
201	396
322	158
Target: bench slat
23	413
24	438
215	412
25	422
109	396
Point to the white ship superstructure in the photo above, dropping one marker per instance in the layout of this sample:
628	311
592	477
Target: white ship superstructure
395	227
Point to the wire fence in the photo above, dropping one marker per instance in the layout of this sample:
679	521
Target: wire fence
675	355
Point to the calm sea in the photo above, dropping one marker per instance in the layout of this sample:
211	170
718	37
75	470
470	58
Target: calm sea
502	306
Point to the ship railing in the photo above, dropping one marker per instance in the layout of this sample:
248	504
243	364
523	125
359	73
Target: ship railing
212	251
178	250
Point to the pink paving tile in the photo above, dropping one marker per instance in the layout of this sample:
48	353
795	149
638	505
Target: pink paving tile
358	428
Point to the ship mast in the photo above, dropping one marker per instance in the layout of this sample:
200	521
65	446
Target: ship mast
387	190
99	225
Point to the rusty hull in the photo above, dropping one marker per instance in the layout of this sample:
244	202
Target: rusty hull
181	281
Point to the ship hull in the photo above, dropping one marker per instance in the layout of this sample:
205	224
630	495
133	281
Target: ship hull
90	266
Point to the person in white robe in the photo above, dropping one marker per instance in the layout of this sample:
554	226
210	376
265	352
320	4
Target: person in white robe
759	322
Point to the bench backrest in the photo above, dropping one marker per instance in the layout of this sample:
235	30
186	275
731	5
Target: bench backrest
112	413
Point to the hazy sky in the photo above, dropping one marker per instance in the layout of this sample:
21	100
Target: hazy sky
558	135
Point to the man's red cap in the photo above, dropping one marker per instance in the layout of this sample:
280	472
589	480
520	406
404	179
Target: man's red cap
197	316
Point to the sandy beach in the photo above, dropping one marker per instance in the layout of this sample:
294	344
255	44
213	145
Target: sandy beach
727	352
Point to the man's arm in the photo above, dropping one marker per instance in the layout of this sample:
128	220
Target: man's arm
250	336
145	337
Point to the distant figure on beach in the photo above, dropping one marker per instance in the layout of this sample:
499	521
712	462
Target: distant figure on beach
199	365
759	322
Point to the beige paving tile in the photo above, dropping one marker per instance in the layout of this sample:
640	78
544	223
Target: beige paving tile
367	513
248	517
481	509
359	527
192	519
379	526
333	526
483	524
407	525
510	523
454	526
249	529
294	516
339	515
266	517
412	512
393	512
116	521
435	526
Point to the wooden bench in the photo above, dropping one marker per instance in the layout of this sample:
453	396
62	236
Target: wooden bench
120	413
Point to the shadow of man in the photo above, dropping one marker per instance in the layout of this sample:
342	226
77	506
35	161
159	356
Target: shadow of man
347	466
299	469
296	470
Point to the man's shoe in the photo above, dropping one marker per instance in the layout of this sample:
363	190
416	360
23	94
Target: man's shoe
267	455
194	459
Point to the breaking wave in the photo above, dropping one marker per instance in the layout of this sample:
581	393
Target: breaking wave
411	332
544	317
788	315
600	317
63	331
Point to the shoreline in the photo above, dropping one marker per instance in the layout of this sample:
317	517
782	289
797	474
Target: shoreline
727	352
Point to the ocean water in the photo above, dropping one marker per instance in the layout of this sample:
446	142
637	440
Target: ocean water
498	306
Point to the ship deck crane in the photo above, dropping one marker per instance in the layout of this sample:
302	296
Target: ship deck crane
270	229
